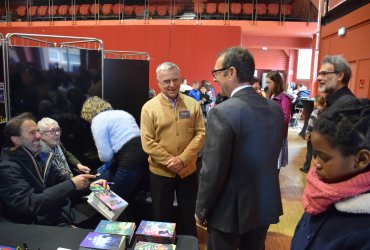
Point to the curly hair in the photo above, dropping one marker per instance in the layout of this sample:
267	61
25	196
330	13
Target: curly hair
94	106
346	125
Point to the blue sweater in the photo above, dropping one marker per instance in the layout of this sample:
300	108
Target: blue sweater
111	130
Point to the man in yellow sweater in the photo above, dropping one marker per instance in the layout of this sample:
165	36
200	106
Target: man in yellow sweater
172	134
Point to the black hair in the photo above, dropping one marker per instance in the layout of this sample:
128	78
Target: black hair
346	125
242	60
13	126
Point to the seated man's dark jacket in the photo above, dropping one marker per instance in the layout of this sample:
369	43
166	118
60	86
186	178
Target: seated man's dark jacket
27	198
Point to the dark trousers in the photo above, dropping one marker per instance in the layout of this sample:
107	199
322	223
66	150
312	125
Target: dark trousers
129	171
252	240
162	191
309	153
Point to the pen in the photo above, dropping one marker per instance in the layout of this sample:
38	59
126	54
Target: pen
110	183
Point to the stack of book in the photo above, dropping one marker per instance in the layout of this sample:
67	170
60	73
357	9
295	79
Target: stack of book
115	235
106	202
156	232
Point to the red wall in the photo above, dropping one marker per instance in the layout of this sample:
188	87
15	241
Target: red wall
353	46
193	48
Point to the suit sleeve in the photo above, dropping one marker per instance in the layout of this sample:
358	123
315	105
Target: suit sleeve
216	162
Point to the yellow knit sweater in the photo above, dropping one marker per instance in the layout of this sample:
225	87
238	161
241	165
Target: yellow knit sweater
166	132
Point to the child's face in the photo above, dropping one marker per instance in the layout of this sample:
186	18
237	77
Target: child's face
331	165
203	90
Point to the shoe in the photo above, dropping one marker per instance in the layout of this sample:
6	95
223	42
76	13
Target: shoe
304	170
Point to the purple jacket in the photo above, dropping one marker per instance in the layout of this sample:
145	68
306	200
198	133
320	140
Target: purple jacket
285	103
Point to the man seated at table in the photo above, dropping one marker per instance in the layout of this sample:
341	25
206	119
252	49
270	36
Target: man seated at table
26	193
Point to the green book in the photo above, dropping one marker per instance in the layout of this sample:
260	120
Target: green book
117	227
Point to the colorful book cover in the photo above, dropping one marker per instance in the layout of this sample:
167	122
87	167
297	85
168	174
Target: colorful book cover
116	227
106	202
142	245
7	248
108	197
103	241
156	231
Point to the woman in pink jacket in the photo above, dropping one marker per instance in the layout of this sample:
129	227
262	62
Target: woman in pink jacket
277	93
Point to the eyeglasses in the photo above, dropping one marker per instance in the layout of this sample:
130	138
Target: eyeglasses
54	131
217	70
324	73
168	82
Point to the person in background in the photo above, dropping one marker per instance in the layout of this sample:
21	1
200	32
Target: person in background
61	157
319	106
220	98
239	194
276	87
117	138
151	93
211	93
336	197
195	93
172	132
257	86
333	79
204	100
26	197
184	87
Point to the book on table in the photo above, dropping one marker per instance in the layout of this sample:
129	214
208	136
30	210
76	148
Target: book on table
142	245
117	227
157	232
103	241
106	202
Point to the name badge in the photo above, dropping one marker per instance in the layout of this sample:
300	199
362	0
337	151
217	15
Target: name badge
185	114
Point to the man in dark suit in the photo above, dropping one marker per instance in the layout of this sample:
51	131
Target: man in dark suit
239	193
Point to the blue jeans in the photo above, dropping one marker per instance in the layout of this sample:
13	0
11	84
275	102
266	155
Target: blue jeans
129	170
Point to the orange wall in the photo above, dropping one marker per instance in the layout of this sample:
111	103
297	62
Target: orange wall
353	46
193	48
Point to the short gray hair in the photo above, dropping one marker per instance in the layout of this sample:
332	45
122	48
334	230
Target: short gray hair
166	66
45	122
340	65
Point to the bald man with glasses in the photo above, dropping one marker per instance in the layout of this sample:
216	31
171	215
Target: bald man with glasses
333	79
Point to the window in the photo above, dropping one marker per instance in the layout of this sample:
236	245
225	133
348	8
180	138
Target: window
304	63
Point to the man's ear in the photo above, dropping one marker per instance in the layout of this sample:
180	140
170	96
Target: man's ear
16	140
340	76
362	159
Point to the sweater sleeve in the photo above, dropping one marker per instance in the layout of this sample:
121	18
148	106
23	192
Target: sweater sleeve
101	136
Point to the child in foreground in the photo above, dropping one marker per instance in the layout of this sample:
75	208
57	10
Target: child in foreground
336	198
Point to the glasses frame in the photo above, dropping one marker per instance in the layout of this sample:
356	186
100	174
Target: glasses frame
324	73
213	72
53	131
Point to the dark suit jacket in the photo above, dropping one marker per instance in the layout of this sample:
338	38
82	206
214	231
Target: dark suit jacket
239	184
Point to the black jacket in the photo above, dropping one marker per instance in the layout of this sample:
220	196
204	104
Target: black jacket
25	196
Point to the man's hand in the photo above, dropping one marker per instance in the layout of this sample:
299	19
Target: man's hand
82	181
199	222
175	164
83	168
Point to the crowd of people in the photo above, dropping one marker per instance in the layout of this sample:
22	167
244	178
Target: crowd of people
235	190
